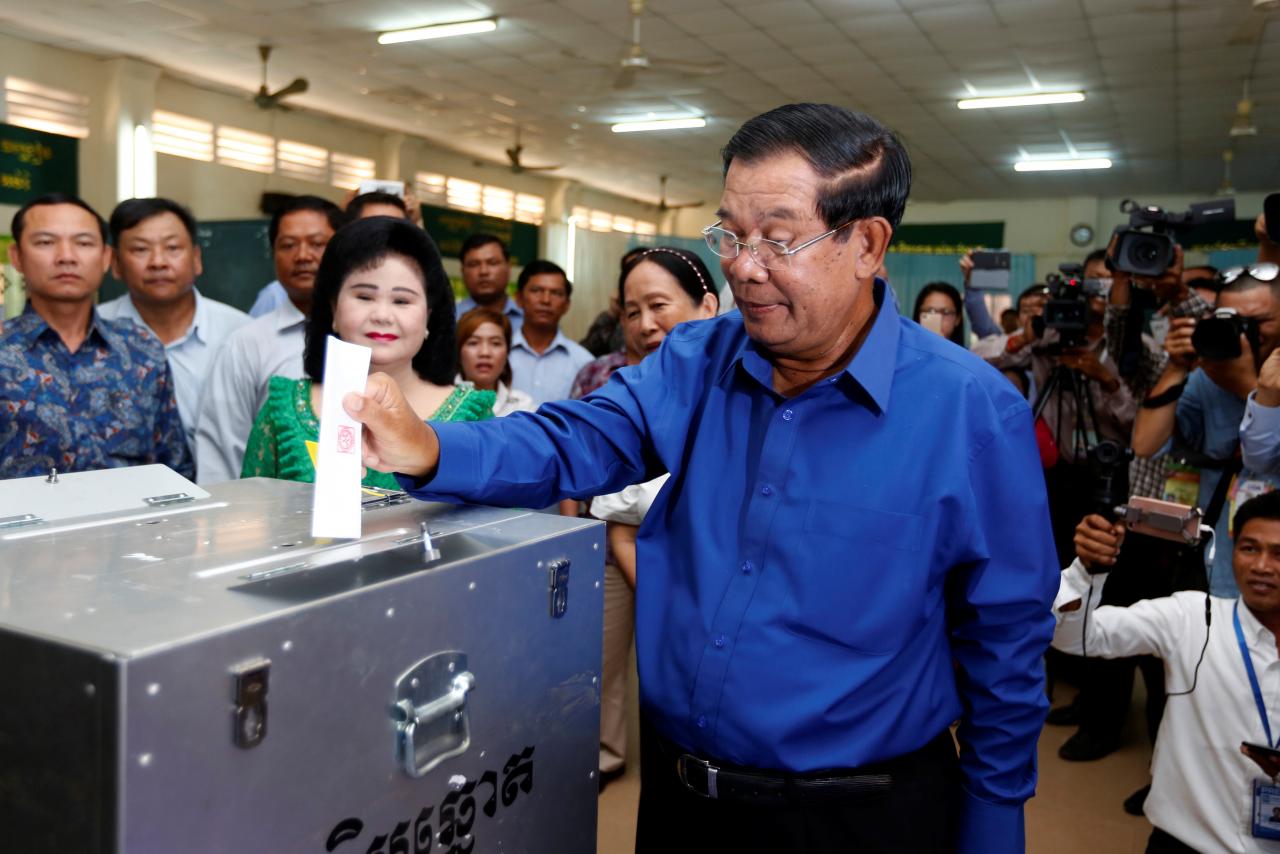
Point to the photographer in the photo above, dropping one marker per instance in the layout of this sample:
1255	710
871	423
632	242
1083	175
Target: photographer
1204	781
1196	407
1085	374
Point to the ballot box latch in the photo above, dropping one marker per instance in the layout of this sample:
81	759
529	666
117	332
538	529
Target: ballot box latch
249	689
430	712
559	573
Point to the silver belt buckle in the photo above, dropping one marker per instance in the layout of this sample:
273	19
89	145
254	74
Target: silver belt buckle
682	764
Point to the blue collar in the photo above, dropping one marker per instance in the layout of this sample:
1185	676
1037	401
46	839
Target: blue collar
871	368
30	326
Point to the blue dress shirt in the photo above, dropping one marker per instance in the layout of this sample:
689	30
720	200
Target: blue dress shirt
548	375
514	313
830	579
107	405
272	296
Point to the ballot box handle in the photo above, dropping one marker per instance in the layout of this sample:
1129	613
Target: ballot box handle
431	714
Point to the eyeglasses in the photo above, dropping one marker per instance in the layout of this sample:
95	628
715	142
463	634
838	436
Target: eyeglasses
1265	272
940	312
767	253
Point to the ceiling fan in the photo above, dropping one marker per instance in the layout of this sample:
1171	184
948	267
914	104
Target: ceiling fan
1251	30
664	206
516	165
636	59
268	100
1242	123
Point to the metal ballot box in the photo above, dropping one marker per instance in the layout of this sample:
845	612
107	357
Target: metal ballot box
192	672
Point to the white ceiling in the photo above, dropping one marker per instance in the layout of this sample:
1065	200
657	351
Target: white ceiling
1161	77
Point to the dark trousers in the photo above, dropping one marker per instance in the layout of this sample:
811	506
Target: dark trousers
916	813
1148	568
1162	843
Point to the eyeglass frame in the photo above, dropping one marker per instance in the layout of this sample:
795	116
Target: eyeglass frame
941	312
787	251
1230	274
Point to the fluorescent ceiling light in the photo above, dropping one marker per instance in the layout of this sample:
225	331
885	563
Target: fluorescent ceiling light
1021	100
438	31
1062	165
659	124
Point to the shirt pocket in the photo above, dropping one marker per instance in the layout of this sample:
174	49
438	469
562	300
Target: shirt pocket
863	577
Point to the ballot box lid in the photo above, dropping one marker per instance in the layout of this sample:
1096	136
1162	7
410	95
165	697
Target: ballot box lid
133	577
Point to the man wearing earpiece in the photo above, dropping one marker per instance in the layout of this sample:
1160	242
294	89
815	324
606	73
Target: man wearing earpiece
1209	792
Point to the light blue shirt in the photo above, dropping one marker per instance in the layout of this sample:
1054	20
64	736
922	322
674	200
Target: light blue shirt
269	299
513	312
831	579
1209	421
191	355
549	375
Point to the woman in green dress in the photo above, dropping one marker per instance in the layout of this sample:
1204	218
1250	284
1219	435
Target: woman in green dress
380	285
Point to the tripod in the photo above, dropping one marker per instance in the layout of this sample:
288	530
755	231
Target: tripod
1063	380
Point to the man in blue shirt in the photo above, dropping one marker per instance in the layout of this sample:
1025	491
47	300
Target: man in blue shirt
78	391
1195	413
486	272
852	551
544	361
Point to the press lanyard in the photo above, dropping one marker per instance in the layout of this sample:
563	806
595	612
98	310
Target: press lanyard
1253	677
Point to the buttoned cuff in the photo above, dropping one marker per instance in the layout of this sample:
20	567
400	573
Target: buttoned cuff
1258	419
455	473
989	828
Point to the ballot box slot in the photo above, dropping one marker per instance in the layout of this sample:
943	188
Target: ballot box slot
322	576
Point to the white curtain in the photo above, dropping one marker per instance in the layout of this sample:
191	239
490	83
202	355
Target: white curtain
596	260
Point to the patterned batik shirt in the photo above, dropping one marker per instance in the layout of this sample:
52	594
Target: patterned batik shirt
109	404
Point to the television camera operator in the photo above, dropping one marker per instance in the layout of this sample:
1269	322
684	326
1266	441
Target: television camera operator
1138	303
1081	398
1210	792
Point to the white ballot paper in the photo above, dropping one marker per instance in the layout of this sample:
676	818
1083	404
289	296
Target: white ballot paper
335	508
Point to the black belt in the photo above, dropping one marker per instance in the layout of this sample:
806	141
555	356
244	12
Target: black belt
722	781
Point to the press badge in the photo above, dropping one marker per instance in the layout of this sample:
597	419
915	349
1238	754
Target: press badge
1182	483
1266	810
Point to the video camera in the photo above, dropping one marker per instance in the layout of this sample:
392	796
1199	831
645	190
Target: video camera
1067	309
1145	248
1217	337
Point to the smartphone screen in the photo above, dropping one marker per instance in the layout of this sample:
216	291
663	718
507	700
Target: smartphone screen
1271	207
932	322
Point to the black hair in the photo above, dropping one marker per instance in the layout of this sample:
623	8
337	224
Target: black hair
1095	255
632	254
1266	506
1208	278
542	267
868	170
19	222
364	245
475	241
687	268
363	200
1033	291
957	334
332	212
132	212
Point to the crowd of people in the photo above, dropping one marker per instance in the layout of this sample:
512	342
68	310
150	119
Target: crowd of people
835	532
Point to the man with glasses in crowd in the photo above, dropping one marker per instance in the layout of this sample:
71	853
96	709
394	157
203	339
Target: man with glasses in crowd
831	575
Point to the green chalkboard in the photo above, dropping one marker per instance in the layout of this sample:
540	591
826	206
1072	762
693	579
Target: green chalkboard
237	262
449	227
33	163
947	238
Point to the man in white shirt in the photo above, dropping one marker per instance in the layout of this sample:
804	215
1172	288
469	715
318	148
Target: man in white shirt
544	362
158	260
1203	792
268	346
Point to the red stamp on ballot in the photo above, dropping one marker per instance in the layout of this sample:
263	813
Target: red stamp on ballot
346	440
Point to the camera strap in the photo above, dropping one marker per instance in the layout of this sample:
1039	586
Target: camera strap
1253	676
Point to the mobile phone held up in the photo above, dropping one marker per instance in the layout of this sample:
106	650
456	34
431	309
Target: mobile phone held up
1271	207
990	270
395	188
